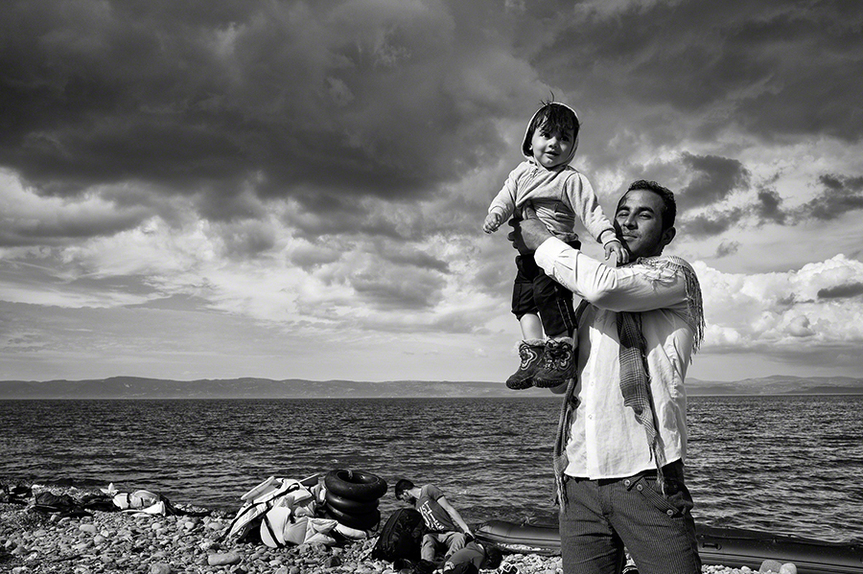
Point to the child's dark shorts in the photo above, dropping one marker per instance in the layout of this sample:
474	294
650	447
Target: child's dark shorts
535	292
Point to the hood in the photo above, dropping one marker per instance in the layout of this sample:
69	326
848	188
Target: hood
525	144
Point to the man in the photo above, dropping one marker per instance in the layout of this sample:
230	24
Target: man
442	520
622	435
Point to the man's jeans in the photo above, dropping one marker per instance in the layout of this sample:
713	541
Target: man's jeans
603	516
452	540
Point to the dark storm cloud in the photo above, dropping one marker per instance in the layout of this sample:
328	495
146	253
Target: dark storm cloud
340	218
841	291
713	178
699	67
328	103
769	207
727	248
45	229
247	239
712	223
362	99
398	290
840	195
414	258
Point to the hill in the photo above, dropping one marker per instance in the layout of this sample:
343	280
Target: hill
253	388
247	388
777	385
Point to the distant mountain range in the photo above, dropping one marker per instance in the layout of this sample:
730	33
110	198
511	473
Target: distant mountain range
251	388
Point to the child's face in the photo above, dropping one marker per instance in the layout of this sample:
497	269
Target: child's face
551	147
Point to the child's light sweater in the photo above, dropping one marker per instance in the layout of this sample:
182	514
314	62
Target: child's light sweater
557	196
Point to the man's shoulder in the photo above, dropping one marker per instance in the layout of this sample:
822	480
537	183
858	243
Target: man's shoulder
666	265
670	268
431	491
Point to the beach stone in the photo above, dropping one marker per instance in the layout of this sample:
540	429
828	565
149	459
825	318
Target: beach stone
160	568
88	528
770	566
788	568
227	558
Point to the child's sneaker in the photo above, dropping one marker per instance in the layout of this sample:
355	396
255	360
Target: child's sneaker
557	365
530	353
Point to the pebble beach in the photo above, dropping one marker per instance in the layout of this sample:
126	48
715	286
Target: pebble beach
33	541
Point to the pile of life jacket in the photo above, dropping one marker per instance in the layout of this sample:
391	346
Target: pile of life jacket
281	511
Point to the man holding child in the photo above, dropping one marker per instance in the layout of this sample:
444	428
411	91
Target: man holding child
621	444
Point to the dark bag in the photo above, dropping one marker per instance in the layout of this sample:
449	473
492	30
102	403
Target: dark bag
401	536
63	504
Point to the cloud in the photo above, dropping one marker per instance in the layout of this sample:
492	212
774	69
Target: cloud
321	170
714	179
727	248
841	194
29	220
714	222
841	291
816	308
769	207
800	327
359	98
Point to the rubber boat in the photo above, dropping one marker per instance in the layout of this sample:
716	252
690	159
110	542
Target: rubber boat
729	547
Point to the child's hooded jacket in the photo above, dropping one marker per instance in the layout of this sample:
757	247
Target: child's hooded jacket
557	195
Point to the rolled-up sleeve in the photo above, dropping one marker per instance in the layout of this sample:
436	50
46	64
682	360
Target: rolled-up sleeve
632	288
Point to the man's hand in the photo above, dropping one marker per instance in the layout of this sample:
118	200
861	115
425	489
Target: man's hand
527	234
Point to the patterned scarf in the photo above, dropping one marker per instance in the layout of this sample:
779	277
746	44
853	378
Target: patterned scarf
634	372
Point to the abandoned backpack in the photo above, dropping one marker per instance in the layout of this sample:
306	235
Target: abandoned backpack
401	536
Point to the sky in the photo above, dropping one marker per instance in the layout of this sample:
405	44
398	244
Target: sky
281	189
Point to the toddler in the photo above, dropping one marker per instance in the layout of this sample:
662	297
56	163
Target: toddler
546	184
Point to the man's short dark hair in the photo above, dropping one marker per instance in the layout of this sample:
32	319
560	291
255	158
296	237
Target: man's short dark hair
670	211
401	486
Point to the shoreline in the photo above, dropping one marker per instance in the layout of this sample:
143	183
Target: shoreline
37	542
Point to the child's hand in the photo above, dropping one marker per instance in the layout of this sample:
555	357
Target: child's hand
615	248
492	222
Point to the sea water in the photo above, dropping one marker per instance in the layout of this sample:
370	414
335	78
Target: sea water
788	465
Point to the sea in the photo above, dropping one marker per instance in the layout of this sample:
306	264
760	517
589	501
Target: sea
788	465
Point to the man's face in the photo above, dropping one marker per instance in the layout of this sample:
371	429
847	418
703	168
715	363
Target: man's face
638	222
407	497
